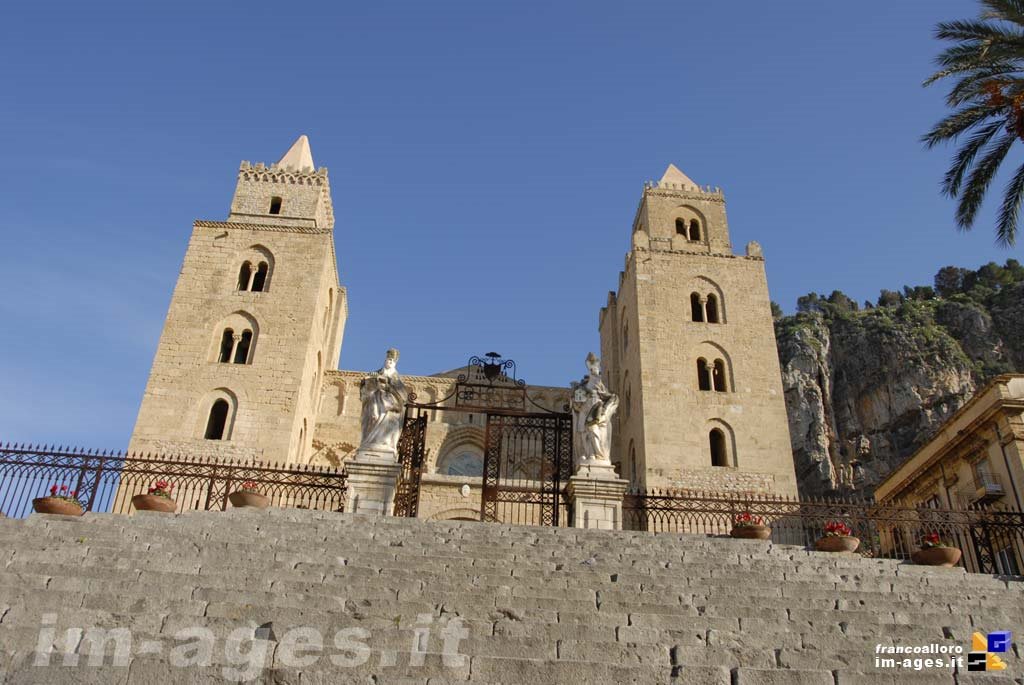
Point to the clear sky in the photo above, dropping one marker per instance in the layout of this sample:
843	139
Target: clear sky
486	161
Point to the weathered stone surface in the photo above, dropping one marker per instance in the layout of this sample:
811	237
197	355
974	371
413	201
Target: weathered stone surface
278	604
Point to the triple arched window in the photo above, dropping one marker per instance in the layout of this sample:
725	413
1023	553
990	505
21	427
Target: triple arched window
712	375
705	309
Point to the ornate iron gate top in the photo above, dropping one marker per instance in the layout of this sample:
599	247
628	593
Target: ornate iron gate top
487	385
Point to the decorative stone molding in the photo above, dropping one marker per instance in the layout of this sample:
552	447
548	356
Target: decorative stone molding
236	225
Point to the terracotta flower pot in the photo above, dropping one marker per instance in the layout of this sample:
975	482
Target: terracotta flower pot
837	543
753	532
56	505
249	498
154	503
936	556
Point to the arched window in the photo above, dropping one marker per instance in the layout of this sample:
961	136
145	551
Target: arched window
719	376
314	391
703	374
696	308
625	336
218	421
719	453
463	464
712	308
227	344
629	400
694	229
244	276
259	281
275	205
681	227
242	350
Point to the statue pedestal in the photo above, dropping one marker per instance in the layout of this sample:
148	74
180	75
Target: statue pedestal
596	494
370	485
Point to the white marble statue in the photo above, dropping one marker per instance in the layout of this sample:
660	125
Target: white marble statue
592	410
383	395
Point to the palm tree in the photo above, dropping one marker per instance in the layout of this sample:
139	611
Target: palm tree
987	61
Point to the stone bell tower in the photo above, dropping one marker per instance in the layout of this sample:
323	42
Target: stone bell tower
689	346
256	318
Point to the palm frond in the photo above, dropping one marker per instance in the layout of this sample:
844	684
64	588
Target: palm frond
983	31
975	83
1009	212
980	179
973	55
1007	10
965	157
958	122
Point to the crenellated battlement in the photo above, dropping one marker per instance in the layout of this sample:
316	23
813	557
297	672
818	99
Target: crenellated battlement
704	192
291	191
278	174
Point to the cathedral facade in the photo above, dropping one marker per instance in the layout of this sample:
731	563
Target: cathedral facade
247	363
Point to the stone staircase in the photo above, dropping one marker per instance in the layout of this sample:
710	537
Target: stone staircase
300	597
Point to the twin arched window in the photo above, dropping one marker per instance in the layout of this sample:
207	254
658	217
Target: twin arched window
705	309
253	281
235	349
712	376
689	230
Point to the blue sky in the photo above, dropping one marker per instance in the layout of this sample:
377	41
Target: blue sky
486	161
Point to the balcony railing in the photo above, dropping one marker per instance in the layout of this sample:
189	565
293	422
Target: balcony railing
984	488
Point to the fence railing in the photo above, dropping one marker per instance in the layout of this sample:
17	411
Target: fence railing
992	540
107	481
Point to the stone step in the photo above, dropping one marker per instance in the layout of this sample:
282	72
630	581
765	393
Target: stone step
541	605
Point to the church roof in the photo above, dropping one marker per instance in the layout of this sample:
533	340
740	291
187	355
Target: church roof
299	156
673	176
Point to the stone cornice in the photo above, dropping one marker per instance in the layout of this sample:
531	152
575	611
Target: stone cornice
720	255
262	227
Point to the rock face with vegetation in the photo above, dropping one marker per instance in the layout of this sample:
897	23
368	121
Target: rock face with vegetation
866	386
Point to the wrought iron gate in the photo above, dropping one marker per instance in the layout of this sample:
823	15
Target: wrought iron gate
527	463
411	452
527	457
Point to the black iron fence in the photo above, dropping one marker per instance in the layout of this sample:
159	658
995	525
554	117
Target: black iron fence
107	481
991	539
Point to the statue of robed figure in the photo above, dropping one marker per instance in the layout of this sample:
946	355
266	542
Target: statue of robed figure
592	410
383	396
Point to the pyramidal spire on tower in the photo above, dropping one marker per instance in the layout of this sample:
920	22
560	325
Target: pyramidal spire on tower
299	156
673	176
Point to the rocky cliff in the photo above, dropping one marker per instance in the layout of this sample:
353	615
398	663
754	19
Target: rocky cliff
865	387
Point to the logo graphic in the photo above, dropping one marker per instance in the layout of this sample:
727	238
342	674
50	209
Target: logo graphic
985	650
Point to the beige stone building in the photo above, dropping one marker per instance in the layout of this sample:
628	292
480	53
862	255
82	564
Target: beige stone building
689	346
976	458
247	364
